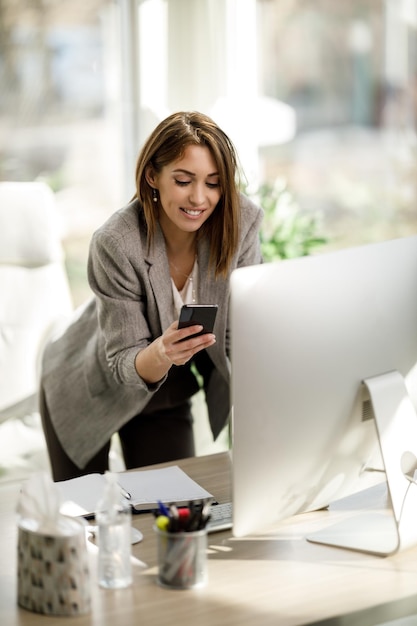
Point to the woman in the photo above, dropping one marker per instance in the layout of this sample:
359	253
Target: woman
121	365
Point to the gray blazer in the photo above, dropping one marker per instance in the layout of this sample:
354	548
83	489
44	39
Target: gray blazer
88	374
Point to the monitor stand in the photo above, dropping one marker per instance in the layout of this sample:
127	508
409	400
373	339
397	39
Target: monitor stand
386	532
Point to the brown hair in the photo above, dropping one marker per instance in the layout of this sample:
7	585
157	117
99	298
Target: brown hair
166	144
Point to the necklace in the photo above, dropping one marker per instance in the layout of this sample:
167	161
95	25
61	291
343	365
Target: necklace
189	279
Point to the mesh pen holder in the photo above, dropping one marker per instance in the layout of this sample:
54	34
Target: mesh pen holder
182	559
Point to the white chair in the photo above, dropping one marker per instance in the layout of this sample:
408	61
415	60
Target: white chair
34	291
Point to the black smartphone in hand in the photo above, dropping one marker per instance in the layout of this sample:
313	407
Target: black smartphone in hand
204	314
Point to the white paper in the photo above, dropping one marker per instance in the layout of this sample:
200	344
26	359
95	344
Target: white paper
79	496
146	487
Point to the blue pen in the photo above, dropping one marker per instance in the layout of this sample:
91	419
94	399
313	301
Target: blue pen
163	509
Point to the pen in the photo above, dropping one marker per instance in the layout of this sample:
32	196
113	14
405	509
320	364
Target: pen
194	517
163	522
184	516
163	509
174	518
125	493
205	514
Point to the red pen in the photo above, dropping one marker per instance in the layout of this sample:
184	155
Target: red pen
183	518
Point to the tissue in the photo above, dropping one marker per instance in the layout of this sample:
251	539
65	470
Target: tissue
53	572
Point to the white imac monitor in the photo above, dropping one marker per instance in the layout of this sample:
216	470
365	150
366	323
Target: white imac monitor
324	388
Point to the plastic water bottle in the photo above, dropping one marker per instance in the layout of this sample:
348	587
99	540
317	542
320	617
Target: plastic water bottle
114	519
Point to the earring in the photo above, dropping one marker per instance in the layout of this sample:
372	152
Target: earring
154	195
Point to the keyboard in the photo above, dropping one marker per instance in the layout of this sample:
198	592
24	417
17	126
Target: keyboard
220	517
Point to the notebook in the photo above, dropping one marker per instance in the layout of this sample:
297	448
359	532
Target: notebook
142	488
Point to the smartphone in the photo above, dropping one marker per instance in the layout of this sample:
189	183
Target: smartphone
204	314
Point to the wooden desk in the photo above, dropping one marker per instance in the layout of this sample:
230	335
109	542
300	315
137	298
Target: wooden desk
278	578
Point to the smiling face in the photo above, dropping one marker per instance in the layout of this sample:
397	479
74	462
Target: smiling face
189	190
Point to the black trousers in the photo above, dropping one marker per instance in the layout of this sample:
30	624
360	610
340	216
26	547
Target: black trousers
157	437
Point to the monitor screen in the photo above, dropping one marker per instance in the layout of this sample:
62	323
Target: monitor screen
306	334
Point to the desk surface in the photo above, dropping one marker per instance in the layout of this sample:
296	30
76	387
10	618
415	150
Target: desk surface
278	578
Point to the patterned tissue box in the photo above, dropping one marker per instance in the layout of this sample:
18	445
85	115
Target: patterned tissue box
53	572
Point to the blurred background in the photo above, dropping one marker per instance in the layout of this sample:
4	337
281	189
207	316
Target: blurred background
319	97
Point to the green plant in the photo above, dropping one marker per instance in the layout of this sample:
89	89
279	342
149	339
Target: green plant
286	232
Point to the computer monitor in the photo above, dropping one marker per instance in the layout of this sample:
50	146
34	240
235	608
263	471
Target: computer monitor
324	388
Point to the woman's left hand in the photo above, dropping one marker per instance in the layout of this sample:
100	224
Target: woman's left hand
174	347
